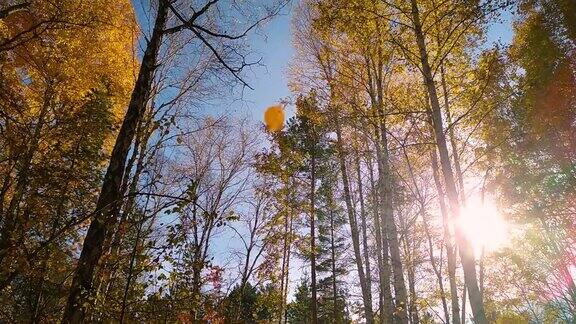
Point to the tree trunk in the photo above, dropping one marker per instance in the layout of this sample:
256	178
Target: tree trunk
285	314
436	267
197	267
450	253
455	154
460	179
465	248
109	262
313	240
366	295
130	272
10	218
110	196
385	294
390	229
413	309
285	252
333	264
481	270
464	305
364	226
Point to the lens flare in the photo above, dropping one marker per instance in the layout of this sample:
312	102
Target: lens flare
483	225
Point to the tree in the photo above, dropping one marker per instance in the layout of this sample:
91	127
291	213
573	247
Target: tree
307	133
300	310
107	207
332	244
412	140
60	98
211	183
316	68
256	304
535	84
282	163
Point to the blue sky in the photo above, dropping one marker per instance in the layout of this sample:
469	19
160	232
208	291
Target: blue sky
273	43
270	83
500	30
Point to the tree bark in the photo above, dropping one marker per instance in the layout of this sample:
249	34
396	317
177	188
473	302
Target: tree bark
333	264
110	197
450	253
465	248
391	237
385	294
105	277
366	295
364	226
313	240
14	8
387	204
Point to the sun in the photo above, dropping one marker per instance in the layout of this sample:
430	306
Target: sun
483	225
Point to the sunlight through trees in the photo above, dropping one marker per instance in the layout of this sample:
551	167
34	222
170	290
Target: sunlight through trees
419	171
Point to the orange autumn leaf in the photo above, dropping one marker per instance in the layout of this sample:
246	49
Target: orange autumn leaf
274	118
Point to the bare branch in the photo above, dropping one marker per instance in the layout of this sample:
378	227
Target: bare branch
14	8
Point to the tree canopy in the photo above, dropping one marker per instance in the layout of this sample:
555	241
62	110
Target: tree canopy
419	171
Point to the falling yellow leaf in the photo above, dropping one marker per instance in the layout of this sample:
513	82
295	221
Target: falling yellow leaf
274	118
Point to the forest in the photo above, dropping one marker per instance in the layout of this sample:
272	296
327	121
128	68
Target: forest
418	164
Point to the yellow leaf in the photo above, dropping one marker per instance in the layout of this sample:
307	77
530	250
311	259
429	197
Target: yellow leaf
274	118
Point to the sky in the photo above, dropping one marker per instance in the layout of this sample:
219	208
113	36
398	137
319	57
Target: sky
274	46
271	84
273	43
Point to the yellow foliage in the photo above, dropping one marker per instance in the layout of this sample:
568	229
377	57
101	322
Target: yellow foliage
511	319
274	118
96	43
93	49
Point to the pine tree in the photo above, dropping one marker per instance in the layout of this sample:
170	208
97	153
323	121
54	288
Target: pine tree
332	243
300	310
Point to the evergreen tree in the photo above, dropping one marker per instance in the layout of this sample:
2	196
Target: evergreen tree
251	304
300	310
331	248
307	135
